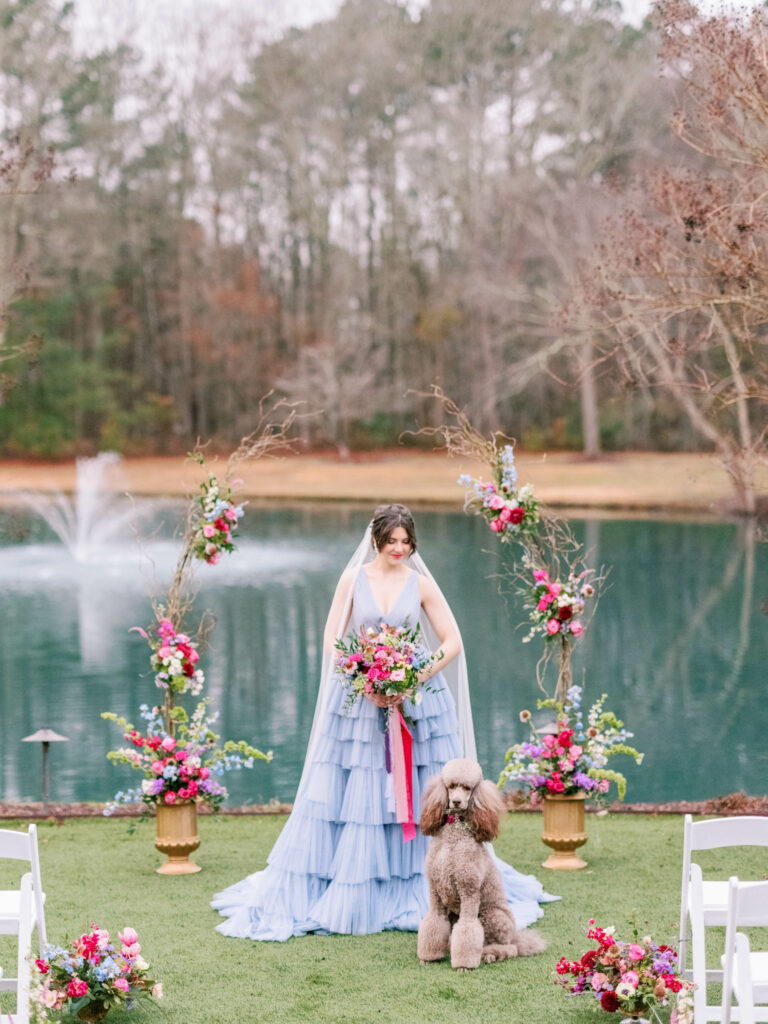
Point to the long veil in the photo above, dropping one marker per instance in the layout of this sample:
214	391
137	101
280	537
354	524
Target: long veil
455	673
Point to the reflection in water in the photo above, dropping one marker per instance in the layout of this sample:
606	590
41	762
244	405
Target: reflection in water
678	642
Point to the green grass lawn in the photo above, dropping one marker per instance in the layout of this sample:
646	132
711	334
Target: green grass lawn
94	871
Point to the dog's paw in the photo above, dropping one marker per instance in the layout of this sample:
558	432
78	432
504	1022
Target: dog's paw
462	970
490	958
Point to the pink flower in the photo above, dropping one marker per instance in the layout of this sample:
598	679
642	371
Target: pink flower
183	793
209	530
635	952
549	741
496	502
505	515
555	588
576	752
543	604
157	767
398	676
604	785
213	559
598	980
157	990
204	773
168	743
540	575
576	628
130	951
553	626
121	984
128	936
76	987
170	798
631	978
497	526
231	515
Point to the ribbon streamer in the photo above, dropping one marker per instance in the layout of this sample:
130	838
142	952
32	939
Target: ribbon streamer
399	754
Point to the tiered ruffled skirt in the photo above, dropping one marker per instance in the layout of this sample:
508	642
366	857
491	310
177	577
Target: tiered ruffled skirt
340	863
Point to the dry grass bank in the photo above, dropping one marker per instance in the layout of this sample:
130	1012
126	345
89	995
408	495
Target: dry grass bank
641	481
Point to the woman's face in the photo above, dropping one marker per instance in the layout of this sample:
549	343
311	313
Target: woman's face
397	546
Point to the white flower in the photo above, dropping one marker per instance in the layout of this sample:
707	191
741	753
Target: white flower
141	963
174	667
625	990
417	697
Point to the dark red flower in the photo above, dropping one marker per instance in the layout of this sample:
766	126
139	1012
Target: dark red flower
516	515
565	613
564	739
609	1001
188	668
588	960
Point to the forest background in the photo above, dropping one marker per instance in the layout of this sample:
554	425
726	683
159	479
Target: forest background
351	212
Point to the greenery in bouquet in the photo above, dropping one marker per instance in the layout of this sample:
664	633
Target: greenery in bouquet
511	513
574	758
184	766
384	662
90	970
215	520
628	977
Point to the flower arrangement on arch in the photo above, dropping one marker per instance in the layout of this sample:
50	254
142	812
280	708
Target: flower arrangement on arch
511	513
186	766
91	972
554	607
174	658
573	759
386	662
632	977
215	522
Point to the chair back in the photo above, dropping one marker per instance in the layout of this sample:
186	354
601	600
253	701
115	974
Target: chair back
23	846
747	908
750	830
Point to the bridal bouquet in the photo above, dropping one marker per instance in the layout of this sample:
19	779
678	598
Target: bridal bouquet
386	662
182	767
216	521
509	512
90	977
573	759
632	977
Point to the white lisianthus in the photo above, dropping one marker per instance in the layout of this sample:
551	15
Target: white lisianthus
147	786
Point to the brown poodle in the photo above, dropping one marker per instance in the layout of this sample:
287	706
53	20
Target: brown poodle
468	909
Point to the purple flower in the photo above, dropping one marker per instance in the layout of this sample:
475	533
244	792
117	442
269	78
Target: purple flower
583	781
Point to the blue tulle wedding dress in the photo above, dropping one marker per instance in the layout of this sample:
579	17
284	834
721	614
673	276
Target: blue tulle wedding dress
340	864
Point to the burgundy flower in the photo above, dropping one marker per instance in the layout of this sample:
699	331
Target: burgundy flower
565	613
516	515
609	1001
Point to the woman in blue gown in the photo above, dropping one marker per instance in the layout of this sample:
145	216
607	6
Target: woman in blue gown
341	863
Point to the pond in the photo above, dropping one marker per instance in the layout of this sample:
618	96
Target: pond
679	643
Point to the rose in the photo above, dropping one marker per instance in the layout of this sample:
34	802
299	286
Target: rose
77	987
597	980
170	798
209	531
157	990
168	743
565	613
631	978
497	526
505	515
121	984
549	741
636	952
496	502
553	626
576	628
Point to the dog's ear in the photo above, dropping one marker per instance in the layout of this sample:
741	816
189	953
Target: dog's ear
434	801
485	809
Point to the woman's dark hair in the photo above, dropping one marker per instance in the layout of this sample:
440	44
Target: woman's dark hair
386	519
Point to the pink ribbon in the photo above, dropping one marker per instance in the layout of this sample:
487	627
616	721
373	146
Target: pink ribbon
401	749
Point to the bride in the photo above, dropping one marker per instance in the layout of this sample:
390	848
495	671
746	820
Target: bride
343	863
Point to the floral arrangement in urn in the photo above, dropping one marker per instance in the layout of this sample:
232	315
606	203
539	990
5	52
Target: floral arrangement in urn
630	977
90	977
186	766
574	758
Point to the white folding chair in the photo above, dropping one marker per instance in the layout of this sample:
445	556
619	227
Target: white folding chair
20	984
22	846
711	834
745	974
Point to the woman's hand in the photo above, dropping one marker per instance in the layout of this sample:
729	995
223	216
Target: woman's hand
381	700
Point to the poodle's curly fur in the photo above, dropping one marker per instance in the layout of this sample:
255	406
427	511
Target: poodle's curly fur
468	910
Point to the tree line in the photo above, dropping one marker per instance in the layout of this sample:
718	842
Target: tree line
347	214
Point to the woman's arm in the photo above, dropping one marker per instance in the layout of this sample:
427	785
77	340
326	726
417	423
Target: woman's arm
433	603
334	628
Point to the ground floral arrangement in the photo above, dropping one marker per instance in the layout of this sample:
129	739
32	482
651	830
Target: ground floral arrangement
90	977
573	759
629	977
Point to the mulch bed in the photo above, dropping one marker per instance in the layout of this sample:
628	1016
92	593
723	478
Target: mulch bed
733	804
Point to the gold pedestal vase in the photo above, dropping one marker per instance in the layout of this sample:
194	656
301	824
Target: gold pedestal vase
177	837
93	1011
564	831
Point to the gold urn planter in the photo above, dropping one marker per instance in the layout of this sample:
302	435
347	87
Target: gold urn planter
177	837
564	831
